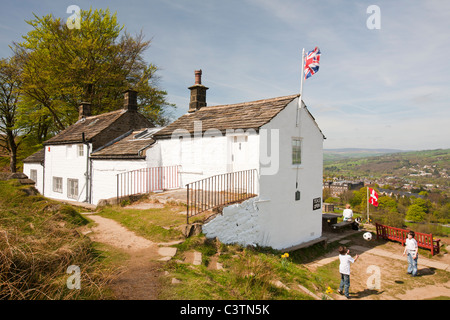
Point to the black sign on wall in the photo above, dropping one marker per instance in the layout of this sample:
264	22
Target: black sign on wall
317	203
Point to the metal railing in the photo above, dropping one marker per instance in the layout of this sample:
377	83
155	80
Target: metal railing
219	190
147	180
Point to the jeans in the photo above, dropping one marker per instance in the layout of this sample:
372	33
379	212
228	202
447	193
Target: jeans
345	284
412	263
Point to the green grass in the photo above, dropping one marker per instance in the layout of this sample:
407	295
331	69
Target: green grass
249	273
39	240
159	225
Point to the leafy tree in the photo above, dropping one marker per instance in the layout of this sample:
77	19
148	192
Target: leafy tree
9	97
358	197
386	202
424	204
415	213
97	62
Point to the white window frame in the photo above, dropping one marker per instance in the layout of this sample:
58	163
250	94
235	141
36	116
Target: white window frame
80	150
58	184
72	190
296	159
33	175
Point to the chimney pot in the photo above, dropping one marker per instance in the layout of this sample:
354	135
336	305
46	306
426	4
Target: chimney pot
84	110
198	76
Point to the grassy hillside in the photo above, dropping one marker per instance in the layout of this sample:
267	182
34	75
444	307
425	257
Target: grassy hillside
410	165
39	240
345	153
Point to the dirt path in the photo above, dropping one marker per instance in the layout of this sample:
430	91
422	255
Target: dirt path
380	274
138	280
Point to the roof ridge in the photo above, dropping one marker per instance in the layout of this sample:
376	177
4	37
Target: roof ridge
292	96
103	114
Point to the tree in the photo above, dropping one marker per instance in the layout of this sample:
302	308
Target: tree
9	97
386	202
415	213
97	62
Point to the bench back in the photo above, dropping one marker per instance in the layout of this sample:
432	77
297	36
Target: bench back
424	240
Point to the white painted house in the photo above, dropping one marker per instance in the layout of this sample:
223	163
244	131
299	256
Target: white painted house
277	137
67	167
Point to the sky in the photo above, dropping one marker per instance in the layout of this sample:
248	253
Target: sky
382	87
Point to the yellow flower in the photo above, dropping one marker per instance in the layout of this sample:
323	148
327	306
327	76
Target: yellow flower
329	290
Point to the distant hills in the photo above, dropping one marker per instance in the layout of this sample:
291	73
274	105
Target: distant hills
344	153
413	167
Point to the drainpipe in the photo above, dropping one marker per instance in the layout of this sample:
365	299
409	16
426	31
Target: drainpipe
87	168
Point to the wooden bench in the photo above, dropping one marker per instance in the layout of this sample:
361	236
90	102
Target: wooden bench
342	225
424	240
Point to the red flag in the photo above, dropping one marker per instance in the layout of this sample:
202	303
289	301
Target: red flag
373	197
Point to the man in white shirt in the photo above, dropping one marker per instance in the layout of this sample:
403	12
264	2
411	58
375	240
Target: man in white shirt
344	269
348	213
412	252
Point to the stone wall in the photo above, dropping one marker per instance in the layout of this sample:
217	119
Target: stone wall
238	224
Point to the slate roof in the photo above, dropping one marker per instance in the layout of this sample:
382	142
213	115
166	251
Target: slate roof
37	157
128	146
247	115
91	126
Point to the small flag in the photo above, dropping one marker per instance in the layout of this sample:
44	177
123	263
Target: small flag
312	59
373	197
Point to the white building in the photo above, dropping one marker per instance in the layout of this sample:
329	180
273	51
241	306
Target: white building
277	137
65	168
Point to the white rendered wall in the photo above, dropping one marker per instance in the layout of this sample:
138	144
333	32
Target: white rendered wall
284	221
274	218
63	161
207	156
104	176
28	166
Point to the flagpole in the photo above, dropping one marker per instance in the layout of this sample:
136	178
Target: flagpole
368	205
303	76
297	120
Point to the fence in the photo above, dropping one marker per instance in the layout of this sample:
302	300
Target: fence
147	180
219	190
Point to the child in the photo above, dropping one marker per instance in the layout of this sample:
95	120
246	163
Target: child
344	269
412	252
347	213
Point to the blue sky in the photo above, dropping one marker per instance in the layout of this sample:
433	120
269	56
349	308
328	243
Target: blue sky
376	88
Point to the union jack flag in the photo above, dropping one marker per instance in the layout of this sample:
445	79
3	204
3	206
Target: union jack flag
312	59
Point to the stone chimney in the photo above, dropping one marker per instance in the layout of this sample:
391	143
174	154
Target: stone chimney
198	93
130	100
84	110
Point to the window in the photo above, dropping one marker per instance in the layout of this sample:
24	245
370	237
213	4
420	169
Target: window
80	150
296	151
33	175
57	184
72	189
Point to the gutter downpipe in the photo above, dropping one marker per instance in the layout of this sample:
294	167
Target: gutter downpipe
88	189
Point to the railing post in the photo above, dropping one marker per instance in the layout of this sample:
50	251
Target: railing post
187	205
